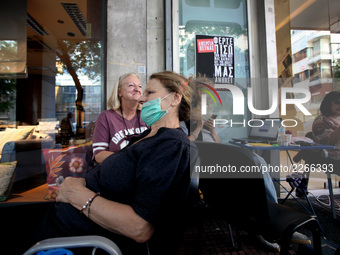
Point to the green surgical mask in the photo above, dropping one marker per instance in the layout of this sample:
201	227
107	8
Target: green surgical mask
152	111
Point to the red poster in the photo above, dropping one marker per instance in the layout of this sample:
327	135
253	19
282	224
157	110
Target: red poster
205	45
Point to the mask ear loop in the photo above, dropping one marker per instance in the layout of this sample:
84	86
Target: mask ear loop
166	97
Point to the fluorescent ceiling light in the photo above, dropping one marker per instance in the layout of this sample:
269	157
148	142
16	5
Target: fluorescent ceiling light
75	14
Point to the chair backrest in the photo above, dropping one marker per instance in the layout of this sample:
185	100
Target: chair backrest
169	238
235	193
311	156
192	196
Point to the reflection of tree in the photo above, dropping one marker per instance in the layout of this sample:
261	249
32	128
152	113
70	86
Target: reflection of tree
80	57
8	52
85	57
7	94
336	63
204	28
217	28
337	68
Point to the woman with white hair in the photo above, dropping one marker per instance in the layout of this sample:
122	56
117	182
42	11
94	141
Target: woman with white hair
122	120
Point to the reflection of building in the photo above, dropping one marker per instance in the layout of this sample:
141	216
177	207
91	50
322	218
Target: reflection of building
312	63
66	94
65	101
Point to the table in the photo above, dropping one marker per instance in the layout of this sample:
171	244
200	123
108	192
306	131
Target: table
263	146
34	195
267	147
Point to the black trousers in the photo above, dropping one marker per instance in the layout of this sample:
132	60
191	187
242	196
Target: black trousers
18	225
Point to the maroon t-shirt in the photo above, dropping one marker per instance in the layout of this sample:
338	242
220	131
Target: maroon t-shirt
110	131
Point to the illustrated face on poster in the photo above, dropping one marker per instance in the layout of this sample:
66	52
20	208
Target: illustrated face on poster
215	58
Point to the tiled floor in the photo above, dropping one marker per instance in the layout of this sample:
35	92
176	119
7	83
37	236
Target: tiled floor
216	240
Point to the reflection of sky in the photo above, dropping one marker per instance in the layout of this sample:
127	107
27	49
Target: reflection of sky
66	80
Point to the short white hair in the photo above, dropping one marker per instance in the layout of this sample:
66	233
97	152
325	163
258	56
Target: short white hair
114	100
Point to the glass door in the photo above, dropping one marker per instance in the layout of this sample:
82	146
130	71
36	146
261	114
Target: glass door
308	40
308	57
52	81
52	62
225	24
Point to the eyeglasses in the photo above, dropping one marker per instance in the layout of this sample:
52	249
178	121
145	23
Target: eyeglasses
336	101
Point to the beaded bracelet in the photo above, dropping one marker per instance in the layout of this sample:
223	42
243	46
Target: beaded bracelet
88	202
88	208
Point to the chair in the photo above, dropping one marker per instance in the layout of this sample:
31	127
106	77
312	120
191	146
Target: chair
76	242
173	236
240	197
315	157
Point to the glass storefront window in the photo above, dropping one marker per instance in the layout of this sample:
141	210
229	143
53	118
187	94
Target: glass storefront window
312	50
308	31
52	82
217	18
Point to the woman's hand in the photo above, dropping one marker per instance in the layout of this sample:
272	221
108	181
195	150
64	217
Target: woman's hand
116	217
210	124
70	189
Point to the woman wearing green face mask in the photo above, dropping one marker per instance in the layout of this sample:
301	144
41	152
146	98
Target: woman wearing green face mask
164	101
136	194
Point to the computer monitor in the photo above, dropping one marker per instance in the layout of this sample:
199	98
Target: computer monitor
264	128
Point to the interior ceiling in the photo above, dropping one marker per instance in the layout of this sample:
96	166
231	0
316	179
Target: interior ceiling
54	19
314	14
309	14
52	16
304	15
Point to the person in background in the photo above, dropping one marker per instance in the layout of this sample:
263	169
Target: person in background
137	193
200	129
326	127
66	129
115	126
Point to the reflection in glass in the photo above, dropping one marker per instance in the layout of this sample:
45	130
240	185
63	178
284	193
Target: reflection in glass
217	18
12	58
303	32
51	87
